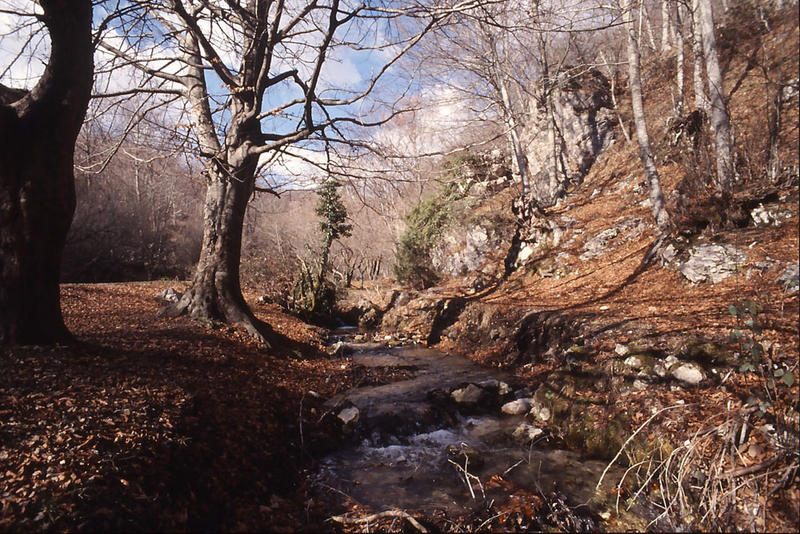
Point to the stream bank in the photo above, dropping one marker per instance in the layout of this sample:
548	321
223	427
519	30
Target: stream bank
449	442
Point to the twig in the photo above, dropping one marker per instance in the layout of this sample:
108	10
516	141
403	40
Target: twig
602	476
381	515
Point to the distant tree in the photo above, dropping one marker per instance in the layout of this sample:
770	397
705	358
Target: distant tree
313	293
720	119
38	128
645	151
698	65
333	217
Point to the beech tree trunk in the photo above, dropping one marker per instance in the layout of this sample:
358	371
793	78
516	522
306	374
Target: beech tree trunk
679	43
37	185
216	294
720	120
645	152
700	96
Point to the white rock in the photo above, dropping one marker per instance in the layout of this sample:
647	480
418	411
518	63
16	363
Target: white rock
711	262
517	407
541	413
349	415
468	395
527	432
639	385
634	361
688	372
622	350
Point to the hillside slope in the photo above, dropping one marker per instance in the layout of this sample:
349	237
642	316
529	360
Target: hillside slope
688	343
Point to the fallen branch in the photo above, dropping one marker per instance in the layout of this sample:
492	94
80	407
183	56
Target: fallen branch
381	515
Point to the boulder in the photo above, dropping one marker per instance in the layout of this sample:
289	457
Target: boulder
711	263
773	216
688	372
169	295
349	415
468	395
527	432
584	123
517	407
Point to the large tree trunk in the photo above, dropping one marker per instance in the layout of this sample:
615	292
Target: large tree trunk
37	184
720	120
216	294
648	161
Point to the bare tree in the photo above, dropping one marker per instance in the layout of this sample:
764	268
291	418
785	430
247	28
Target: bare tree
720	119
258	78
645	152
37	193
677	7
698	78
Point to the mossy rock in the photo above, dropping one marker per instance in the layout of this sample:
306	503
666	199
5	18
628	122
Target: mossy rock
643	361
583	432
706	352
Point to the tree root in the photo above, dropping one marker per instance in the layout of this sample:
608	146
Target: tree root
241	318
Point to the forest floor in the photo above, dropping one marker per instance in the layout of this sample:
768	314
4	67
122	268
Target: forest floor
152	424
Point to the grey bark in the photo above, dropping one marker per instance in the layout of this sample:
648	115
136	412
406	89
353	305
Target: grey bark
680	60
37	185
645	152
720	119
701	101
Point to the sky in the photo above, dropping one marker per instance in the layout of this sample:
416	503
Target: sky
24	48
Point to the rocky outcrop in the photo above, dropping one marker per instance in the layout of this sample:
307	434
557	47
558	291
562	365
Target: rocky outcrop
421	317
712	263
571	127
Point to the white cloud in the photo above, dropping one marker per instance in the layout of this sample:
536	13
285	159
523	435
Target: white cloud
24	44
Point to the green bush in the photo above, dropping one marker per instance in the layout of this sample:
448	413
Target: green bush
426	222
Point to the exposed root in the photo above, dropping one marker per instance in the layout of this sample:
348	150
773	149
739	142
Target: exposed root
241	318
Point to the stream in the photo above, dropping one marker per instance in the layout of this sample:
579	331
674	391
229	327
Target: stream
415	448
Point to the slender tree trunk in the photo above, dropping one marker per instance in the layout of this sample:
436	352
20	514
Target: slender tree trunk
720	120
645	152
700	95
612	77
37	183
680	60
666	27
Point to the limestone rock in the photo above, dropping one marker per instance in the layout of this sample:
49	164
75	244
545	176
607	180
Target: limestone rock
169	295
789	278
349	415
541	413
467	395
712	263
688	372
769	216
517	407
581	107
526	432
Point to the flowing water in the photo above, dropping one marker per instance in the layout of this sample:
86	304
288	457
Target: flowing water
406	456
